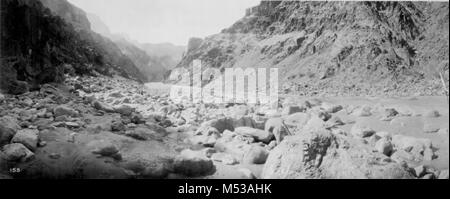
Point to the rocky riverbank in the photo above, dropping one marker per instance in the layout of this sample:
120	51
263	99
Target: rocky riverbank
99	127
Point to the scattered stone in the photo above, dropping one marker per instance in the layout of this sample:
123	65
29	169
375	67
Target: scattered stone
444	174
361	131
117	126
428	176
384	146
443	132
27	137
432	114
257	134
8	128
137	118
420	171
331	108
289	110
54	156
64	110
224	158
221	124
246	173
192	164
103	148
320	154
72	125
363	112
17	152
116	95
389	114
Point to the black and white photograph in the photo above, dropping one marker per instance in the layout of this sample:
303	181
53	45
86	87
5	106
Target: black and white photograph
224	89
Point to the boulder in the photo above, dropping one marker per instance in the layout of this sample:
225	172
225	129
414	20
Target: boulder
103	148
244	121
256	155
220	124
27	137
246	173
141	133
17	152
124	110
257	134
276	127
388	114
206	136
225	158
331	108
384	146
361	131
443	174
192	164
8	128
64	110
432	114
320	154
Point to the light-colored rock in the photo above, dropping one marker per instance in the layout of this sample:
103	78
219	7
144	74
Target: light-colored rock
27	137
257	134
103	148
8	128
103	107
225	158
430	128
444	174
64	110
192	163
289	110
220	124
124	110
361	131
246	173
276	127
384	146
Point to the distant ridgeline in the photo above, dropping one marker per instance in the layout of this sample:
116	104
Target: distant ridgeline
41	40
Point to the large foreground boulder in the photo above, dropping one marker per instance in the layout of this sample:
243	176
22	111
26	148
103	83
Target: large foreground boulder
320	154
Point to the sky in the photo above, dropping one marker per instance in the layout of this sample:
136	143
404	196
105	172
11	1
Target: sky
160	21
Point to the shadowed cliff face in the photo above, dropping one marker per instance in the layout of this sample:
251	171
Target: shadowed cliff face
337	48
38	47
